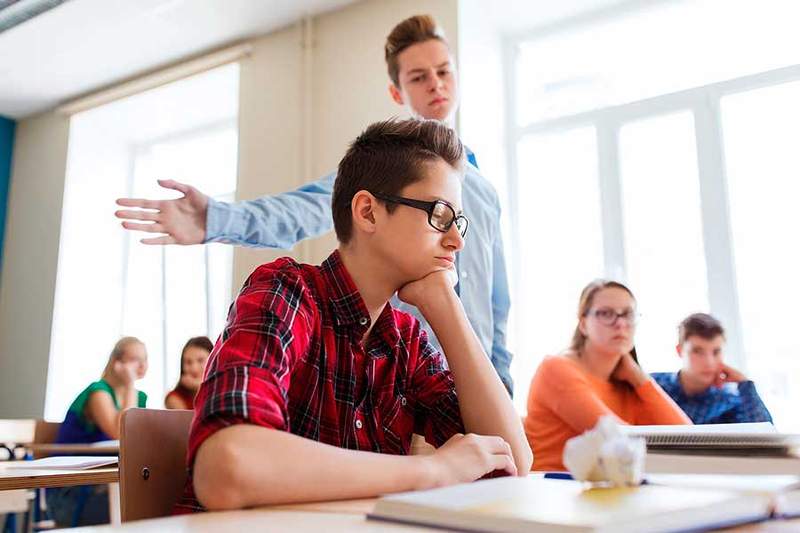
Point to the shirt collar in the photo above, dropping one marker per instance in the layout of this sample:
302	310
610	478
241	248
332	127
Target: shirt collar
348	306
349	309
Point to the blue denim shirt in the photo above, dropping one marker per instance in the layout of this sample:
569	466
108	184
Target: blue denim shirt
733	402
283	220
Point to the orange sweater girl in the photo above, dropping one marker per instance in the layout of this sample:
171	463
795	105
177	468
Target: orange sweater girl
599	375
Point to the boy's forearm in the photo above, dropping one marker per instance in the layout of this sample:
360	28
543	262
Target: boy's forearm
485	405
247	466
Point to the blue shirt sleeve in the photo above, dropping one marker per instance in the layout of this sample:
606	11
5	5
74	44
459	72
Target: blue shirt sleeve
751	408
501	303
279	221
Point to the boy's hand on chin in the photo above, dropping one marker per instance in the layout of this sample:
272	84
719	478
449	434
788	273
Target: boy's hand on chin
420	291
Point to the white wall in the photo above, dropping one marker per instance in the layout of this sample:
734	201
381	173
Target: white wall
29	262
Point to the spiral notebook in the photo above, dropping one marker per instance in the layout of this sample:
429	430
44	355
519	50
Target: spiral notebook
751	438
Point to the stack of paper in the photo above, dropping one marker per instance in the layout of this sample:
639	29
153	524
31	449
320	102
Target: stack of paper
68	462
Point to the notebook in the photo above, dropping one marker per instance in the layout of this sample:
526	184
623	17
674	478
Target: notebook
68	462
536	504
751	438
681	462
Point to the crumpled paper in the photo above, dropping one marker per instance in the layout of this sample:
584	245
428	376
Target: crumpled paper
606	454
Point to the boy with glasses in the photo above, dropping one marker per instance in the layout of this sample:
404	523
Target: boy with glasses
707	389
317	383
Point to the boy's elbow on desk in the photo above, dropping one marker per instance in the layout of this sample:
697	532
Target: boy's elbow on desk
217	474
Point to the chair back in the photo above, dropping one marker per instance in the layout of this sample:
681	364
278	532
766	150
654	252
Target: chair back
152	461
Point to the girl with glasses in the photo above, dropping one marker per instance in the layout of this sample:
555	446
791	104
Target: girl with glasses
597	375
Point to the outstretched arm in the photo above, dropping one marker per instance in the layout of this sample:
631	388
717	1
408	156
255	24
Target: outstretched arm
279	221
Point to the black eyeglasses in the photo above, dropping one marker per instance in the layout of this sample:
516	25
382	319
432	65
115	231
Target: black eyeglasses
441	215
609	317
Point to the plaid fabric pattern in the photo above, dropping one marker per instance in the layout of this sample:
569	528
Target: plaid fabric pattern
291	358
733	402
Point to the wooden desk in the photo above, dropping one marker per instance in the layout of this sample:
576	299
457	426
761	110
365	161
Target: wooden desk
328	516
324	516
31	478
43	450
14	501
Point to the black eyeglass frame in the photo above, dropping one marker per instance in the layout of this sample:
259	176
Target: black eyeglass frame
428	207
632	316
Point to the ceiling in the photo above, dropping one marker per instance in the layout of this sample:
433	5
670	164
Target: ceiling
83	45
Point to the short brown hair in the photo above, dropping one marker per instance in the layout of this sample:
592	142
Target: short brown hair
413	30
702	325
385	158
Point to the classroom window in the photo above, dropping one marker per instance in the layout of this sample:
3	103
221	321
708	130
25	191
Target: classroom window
696	171
663	236
110	285
639	53
761	131
556	170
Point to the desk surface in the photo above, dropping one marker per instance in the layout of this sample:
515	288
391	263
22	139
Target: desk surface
263	519
329	516
31	478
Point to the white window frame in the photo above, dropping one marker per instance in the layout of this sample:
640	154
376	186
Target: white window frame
132	239
704	104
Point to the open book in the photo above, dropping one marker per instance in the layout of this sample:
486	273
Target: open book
68	462
536	504
784	490
734	438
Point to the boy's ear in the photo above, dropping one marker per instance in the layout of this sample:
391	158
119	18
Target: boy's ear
396	95
679	349
363	211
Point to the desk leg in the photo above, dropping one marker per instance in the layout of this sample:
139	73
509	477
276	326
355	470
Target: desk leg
113	504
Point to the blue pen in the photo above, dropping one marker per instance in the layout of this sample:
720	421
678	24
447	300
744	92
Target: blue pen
557	475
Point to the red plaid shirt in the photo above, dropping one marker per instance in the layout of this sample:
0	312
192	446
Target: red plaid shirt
291	358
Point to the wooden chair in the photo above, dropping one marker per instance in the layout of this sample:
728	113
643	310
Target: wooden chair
44	433
152	461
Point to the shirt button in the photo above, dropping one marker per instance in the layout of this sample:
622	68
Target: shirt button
464	274
359	424
363	321
403	401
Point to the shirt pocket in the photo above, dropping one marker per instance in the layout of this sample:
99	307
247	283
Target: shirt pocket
398	425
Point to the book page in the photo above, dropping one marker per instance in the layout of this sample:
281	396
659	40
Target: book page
67	462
